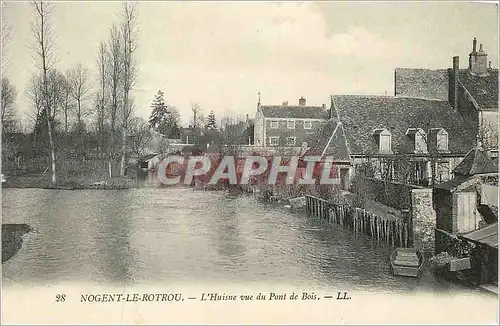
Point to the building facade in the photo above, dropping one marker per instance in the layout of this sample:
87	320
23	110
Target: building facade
287	125
423	132
472	92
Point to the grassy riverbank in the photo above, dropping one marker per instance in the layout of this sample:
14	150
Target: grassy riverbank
77	175
81	182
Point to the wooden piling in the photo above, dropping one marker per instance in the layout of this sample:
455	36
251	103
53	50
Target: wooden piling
393	232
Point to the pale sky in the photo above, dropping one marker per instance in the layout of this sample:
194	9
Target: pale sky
221	54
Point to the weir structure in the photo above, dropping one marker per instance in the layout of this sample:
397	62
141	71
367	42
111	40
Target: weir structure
388	229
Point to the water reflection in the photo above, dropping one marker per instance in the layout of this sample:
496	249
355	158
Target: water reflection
111	239
180	235
226	235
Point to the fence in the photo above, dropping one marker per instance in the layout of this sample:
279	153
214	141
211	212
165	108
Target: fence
386	229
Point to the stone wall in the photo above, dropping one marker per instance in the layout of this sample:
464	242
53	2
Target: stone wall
423	220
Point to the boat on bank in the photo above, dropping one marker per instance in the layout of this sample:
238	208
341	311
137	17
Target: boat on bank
407	262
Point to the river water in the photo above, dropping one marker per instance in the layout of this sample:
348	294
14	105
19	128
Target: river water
181	236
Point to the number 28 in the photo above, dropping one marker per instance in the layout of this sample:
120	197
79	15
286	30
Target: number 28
60	297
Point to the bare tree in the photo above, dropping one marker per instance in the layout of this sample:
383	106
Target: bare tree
129	35
6	34
65	101
8	97
139	135
79	87
198	118
57	87
44	55
33	92
100	101
114	75
231	137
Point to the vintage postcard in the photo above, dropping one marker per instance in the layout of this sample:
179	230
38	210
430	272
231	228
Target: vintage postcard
216	162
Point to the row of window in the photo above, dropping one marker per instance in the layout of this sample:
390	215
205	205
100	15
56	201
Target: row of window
438	139
290	124
275	141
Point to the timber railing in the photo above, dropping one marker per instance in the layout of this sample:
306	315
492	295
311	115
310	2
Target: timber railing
391	230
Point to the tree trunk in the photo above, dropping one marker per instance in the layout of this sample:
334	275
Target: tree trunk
124	141
52	151
110	165
66	121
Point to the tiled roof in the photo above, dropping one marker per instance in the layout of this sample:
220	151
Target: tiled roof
360	115
484	90
294	112
453	184
487	235
421	83
477	161
148	157
330	141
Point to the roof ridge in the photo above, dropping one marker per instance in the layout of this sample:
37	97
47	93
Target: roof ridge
429	69
368	95
288	105
422	98
391	97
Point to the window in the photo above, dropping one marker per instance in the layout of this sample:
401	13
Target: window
384	140
344	179
442	141
274	141
419	139
290	141
438	140
307	125
290	124
274	124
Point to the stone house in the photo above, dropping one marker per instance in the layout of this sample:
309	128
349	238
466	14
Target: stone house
409	140
473	92
420	134
462	204
287	125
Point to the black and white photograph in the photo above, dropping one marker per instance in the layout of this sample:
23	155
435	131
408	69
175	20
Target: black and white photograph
249	162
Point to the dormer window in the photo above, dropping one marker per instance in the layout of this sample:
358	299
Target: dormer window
439	139
384	140
419	139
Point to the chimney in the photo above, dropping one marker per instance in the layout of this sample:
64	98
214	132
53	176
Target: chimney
456	67
478	61
302	101
474	42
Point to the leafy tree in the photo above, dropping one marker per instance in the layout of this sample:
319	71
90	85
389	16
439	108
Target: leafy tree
164	119
171	127
211	121
160	112
139	136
